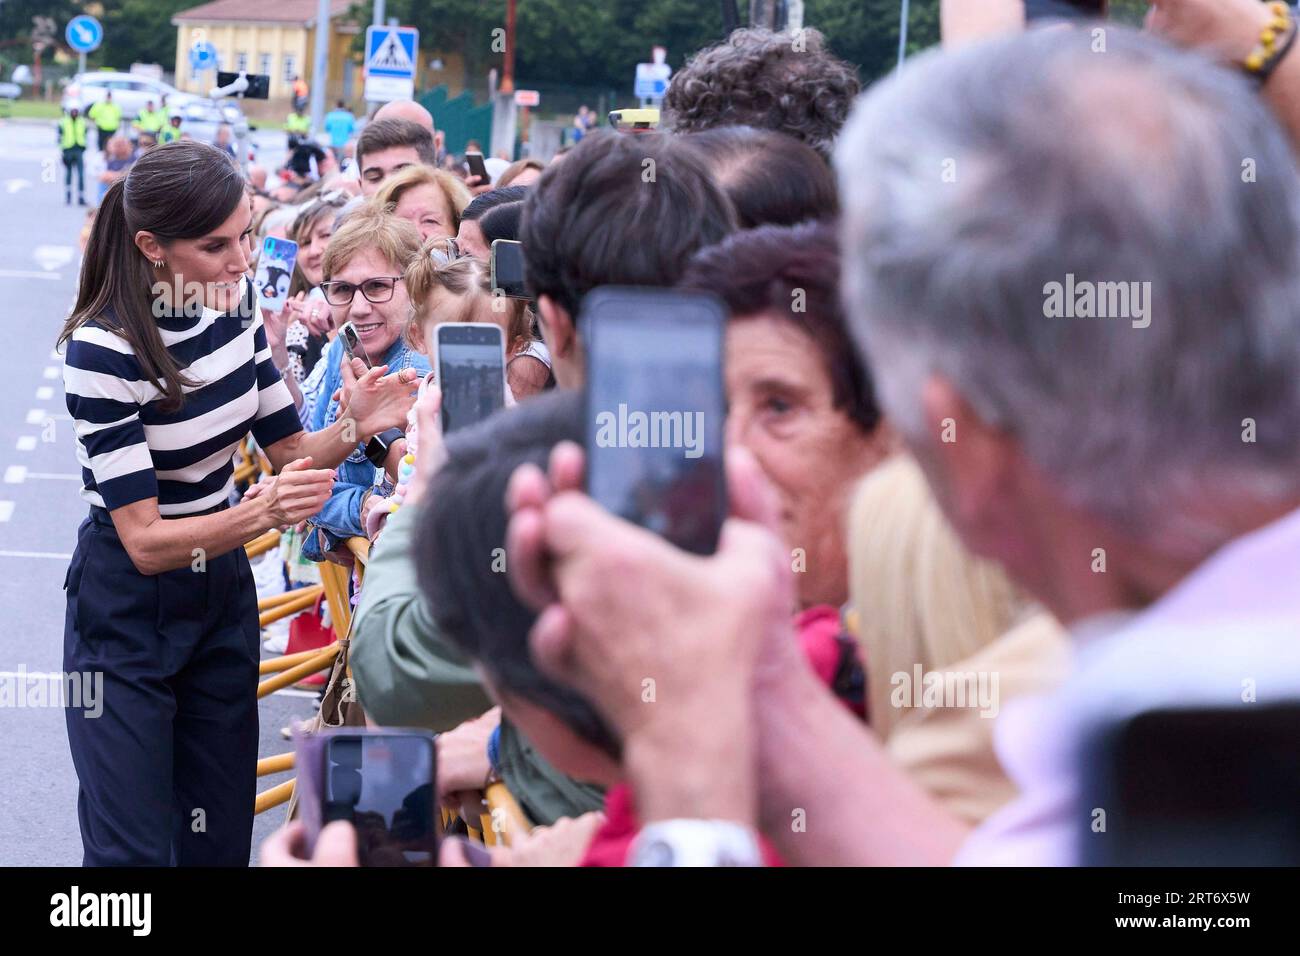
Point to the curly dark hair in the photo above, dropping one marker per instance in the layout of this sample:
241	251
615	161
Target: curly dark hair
790	83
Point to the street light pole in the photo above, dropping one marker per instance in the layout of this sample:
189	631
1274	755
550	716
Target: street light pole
320	70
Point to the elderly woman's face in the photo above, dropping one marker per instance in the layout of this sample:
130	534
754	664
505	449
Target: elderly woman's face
427	207
780	408
377	323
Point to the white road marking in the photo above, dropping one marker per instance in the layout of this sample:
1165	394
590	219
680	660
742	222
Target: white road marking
15	474
50	258
26	443
45	475
15	185
44	393
35	554
6	510
51	371
29	274
36	416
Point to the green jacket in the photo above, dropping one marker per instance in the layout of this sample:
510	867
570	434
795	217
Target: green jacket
407	675
150	121
107	116
72	132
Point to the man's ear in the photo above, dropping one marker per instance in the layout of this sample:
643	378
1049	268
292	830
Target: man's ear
557	327
973	459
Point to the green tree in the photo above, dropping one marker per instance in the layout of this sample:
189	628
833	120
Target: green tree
139	31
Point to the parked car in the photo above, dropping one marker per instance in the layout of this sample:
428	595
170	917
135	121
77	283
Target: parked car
130	91
201	117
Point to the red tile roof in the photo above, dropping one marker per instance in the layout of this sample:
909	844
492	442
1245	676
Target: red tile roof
260	11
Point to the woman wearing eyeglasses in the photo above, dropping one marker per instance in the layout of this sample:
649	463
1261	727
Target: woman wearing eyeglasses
167	369
362	271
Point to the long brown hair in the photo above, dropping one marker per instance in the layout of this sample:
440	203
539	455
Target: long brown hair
180	191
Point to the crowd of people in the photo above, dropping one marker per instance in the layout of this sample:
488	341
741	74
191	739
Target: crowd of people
934	480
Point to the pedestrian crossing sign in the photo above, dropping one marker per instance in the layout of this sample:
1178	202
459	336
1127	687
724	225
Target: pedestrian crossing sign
391	54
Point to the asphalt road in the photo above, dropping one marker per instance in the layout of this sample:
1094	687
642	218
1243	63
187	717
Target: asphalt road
40	507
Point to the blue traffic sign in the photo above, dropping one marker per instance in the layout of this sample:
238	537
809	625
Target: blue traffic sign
84	33
203	56
390	51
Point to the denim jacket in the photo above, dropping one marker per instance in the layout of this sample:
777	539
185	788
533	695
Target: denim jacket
340	518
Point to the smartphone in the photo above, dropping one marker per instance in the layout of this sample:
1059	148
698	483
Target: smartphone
1065	9
352	344
477	167
471	371
1193	786
507	264
382	782
656	410
274	272
634	120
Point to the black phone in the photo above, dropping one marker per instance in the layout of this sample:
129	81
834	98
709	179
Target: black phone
1192	786
383	783
507	265
477	168
352	344
656	410
471	371
1065	9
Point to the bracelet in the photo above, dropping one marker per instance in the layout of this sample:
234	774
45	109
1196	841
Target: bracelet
1267	53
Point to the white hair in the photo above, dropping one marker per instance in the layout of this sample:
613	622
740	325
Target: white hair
974	179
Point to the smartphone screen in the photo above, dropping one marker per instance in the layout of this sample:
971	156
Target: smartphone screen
477	168
274	272
352	344
471	372
507	264
656	410
1213	786
383	783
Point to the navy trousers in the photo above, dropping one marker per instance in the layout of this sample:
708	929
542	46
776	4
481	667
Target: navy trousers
168	770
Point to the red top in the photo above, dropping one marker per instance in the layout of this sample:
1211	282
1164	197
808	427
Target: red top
819	635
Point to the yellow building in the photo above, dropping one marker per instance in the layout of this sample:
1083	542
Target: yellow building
276	37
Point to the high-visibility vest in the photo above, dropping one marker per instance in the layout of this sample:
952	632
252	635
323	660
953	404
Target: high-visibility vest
107	116
150	121
297	123
72	132
168	134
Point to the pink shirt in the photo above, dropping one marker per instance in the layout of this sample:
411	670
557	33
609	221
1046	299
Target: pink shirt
1236	618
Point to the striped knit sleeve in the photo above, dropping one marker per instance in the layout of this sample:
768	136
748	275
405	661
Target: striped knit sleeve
276	416
102	384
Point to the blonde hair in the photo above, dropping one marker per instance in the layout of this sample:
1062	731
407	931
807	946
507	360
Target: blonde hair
371	226
470	283
455	191
919	596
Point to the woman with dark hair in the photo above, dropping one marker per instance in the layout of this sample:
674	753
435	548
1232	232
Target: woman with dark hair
469	236
501	222
770	178
167	368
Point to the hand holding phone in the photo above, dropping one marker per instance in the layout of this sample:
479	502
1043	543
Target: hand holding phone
352	344
656	410
471	371
274	273
478	168
381	781
507	268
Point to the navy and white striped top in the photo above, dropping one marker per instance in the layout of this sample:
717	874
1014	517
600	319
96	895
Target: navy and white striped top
130	450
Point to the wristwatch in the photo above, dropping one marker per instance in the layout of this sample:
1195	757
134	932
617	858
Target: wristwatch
377	447
695	843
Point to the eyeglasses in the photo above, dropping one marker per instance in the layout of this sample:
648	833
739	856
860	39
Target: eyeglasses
376	290
444	251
